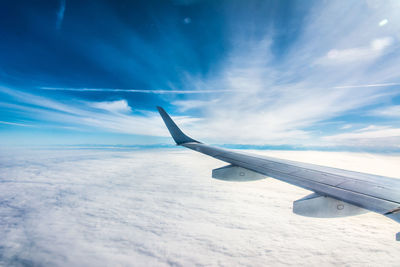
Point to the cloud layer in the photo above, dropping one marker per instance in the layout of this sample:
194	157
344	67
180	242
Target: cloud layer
161	207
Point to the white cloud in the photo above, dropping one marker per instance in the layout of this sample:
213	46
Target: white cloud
119	106
161	207
185	105
371	136
75	112
270	111
359	54
390	111
381	44
346	126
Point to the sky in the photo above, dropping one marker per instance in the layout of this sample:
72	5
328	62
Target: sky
293	74
130	207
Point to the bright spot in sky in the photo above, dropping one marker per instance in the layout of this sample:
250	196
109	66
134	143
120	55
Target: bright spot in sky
383	22
187	20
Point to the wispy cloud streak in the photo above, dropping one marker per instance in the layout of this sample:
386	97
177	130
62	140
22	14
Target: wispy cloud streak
286	101
60	14
367	85
111	116
15	124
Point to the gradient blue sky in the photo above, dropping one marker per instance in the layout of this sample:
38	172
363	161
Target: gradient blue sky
271	73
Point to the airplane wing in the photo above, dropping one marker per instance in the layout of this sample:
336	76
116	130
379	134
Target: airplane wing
337	192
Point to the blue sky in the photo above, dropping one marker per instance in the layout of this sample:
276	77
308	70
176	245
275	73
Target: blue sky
265	73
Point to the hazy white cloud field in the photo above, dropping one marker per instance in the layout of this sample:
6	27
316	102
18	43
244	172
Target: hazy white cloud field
161	207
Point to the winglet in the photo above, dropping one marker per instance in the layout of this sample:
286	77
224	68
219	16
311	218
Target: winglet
176	133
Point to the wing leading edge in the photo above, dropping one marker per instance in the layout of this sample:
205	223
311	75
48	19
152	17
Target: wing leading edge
334	187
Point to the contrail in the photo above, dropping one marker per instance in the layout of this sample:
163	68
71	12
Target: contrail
14	123
187	91
136	90
367	85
